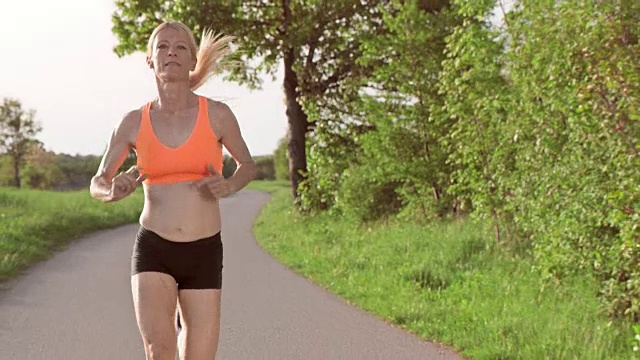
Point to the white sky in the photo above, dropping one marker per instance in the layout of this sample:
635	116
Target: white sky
56	58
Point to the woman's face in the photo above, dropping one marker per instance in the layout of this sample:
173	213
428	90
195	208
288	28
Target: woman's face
171	57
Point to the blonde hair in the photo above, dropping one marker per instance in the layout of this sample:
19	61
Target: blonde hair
209	55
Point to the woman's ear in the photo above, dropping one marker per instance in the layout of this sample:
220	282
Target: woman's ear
149	62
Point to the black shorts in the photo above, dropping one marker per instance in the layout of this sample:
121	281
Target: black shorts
194	265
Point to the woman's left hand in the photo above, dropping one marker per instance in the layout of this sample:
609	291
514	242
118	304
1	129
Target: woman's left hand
215	184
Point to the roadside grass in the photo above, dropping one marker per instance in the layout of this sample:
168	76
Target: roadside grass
269	186
35	223
446	282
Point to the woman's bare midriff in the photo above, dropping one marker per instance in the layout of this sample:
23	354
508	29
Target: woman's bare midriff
180	211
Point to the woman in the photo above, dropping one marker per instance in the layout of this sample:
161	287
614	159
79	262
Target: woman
178	139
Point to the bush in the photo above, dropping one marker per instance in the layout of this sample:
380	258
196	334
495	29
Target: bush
368	199
281	160
266	170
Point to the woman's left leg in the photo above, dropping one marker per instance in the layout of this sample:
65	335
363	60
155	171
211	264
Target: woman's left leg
200	320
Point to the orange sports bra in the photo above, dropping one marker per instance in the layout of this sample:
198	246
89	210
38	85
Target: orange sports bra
163	164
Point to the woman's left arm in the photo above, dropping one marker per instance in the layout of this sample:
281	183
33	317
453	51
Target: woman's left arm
232	140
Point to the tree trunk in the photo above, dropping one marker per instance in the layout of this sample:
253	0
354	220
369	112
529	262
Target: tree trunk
298	125
16	172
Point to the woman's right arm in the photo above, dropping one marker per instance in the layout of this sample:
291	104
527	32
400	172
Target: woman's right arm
118	148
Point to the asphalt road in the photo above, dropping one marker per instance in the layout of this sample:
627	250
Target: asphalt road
77	306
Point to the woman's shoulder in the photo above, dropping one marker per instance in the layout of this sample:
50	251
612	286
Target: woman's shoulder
216	106
130	123
132	118
221	112
220	116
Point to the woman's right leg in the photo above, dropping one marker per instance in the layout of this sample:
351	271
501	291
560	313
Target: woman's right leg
154	297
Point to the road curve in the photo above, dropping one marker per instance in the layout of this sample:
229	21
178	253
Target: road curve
77	306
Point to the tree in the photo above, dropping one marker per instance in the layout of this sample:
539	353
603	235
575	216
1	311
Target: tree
379	132
404	146
316	43
41	170
477	96
17	131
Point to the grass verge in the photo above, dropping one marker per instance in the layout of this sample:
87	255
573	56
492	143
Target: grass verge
36	223
446	282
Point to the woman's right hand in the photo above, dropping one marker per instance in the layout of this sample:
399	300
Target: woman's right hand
124	184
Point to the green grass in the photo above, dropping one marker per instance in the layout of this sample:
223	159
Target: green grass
35	223
269	186
445	282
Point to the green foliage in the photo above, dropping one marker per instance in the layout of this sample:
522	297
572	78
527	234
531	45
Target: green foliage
48	170
18	129
388	126
41	171
543	140
477	96
403	146
6	170
266	169
77	170
333	148
281	160
366	197
265	166
229	166
576	72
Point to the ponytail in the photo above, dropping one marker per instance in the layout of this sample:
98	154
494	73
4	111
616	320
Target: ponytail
213	48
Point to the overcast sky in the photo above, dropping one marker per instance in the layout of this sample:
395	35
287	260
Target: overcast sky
59	62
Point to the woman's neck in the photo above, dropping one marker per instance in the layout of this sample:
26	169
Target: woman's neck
175	96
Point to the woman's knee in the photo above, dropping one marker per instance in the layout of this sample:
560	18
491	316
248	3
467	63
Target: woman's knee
160	348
